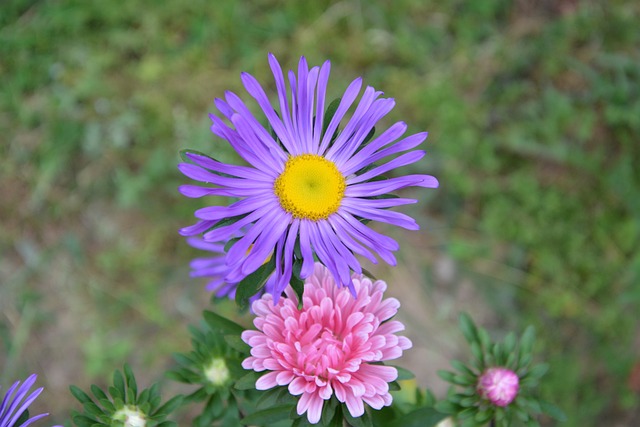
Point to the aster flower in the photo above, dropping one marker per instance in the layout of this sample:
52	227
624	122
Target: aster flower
308	187
331	346
14	407
499	385
124	405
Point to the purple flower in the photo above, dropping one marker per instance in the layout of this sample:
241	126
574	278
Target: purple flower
13	406
310	187
499	386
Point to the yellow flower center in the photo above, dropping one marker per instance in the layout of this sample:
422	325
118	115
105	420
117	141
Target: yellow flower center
311	187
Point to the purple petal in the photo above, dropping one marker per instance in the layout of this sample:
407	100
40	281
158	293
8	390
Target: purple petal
376	188
403	160
197	228
282	97
257	92
323	78
348	97
391	217
361	159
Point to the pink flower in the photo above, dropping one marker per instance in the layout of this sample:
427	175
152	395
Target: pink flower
499	386
327	347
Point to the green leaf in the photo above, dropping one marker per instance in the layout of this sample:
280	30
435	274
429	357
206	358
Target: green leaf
269	398
538	371
553	411
170	406
221	324
236	343
329	113
421	417
478	354
527	340
268	416
403	374
446	375
230	243
362	421
79	394
84	421
331	415
483	417
368	138
92	409
118	384
369	274
131	381
464	369
250	285
248	382
468	328
297	284
98	393
510	342
446	407
467	413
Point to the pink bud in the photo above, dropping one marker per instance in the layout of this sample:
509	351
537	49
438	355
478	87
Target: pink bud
499	386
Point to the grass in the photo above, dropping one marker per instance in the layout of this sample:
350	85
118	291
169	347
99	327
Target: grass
533	110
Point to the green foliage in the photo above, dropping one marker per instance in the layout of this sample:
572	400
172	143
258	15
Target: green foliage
214	366
467	404
122	403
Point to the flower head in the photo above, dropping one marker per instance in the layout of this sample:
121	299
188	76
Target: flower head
499	386
14	406
307	185
329	346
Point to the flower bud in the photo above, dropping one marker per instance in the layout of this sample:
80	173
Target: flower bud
499	386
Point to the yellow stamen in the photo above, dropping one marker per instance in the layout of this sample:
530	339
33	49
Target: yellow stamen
311	187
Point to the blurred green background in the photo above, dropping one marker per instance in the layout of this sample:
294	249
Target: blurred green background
533	109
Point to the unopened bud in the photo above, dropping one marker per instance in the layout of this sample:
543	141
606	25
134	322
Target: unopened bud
499	386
